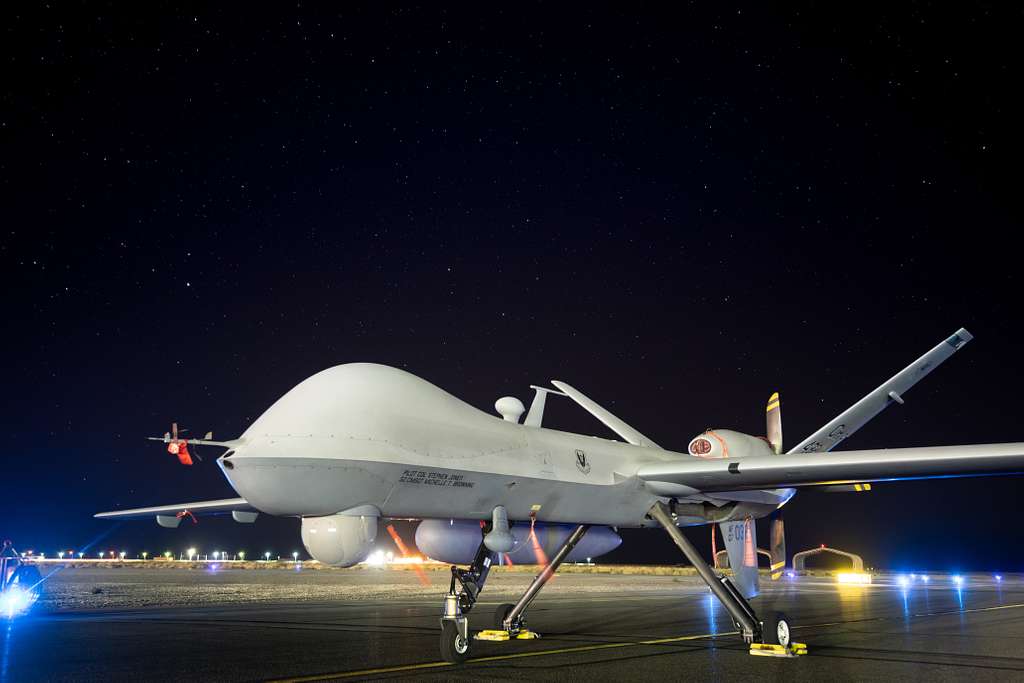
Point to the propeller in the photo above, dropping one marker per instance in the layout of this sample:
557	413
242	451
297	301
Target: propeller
773	417
179	447
778	544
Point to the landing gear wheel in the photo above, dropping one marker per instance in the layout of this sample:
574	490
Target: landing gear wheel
454	648
500	614
776	630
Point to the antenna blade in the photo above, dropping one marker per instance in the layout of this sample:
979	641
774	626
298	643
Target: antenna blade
610	421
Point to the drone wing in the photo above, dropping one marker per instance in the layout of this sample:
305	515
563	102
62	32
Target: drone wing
891	391
171	515
845	467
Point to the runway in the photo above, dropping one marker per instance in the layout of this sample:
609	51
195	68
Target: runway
593	627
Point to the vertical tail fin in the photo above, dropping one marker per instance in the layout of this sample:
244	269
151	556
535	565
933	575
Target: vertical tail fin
741	544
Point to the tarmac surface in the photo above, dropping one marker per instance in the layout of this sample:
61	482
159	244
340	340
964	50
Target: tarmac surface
594	627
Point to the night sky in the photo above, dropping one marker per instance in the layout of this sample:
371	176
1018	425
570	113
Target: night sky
678	213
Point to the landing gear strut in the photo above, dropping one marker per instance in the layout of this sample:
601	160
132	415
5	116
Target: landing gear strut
471	581
763	636
465	586
514	619
509	620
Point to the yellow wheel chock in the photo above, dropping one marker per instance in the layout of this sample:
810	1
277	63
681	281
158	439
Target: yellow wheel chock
766	650
491	634
499	636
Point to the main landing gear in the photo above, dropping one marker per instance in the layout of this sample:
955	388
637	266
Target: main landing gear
509	620
514	620
768	637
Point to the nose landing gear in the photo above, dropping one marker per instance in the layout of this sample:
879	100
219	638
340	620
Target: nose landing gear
463	591
454	632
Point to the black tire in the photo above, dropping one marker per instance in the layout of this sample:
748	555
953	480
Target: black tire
454	648
776	630
500	614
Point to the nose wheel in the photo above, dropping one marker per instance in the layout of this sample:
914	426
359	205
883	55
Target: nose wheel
463	591
454	644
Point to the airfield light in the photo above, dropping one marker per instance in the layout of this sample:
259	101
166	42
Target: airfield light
123	553
856	578
295	555
958	580
101	554
216	554
376	559
791	574
999	577
191	552
42	556
81	554
167	554
903	580
266	556
61	554
925	578
241	555
144	554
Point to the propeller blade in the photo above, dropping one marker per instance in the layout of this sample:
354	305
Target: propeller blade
845	488
773	417
174	431
778	544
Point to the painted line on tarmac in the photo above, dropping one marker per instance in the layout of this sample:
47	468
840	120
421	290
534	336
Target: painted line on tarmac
498	658
591	648
944	613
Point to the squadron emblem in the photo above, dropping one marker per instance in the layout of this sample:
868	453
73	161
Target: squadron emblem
581	462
